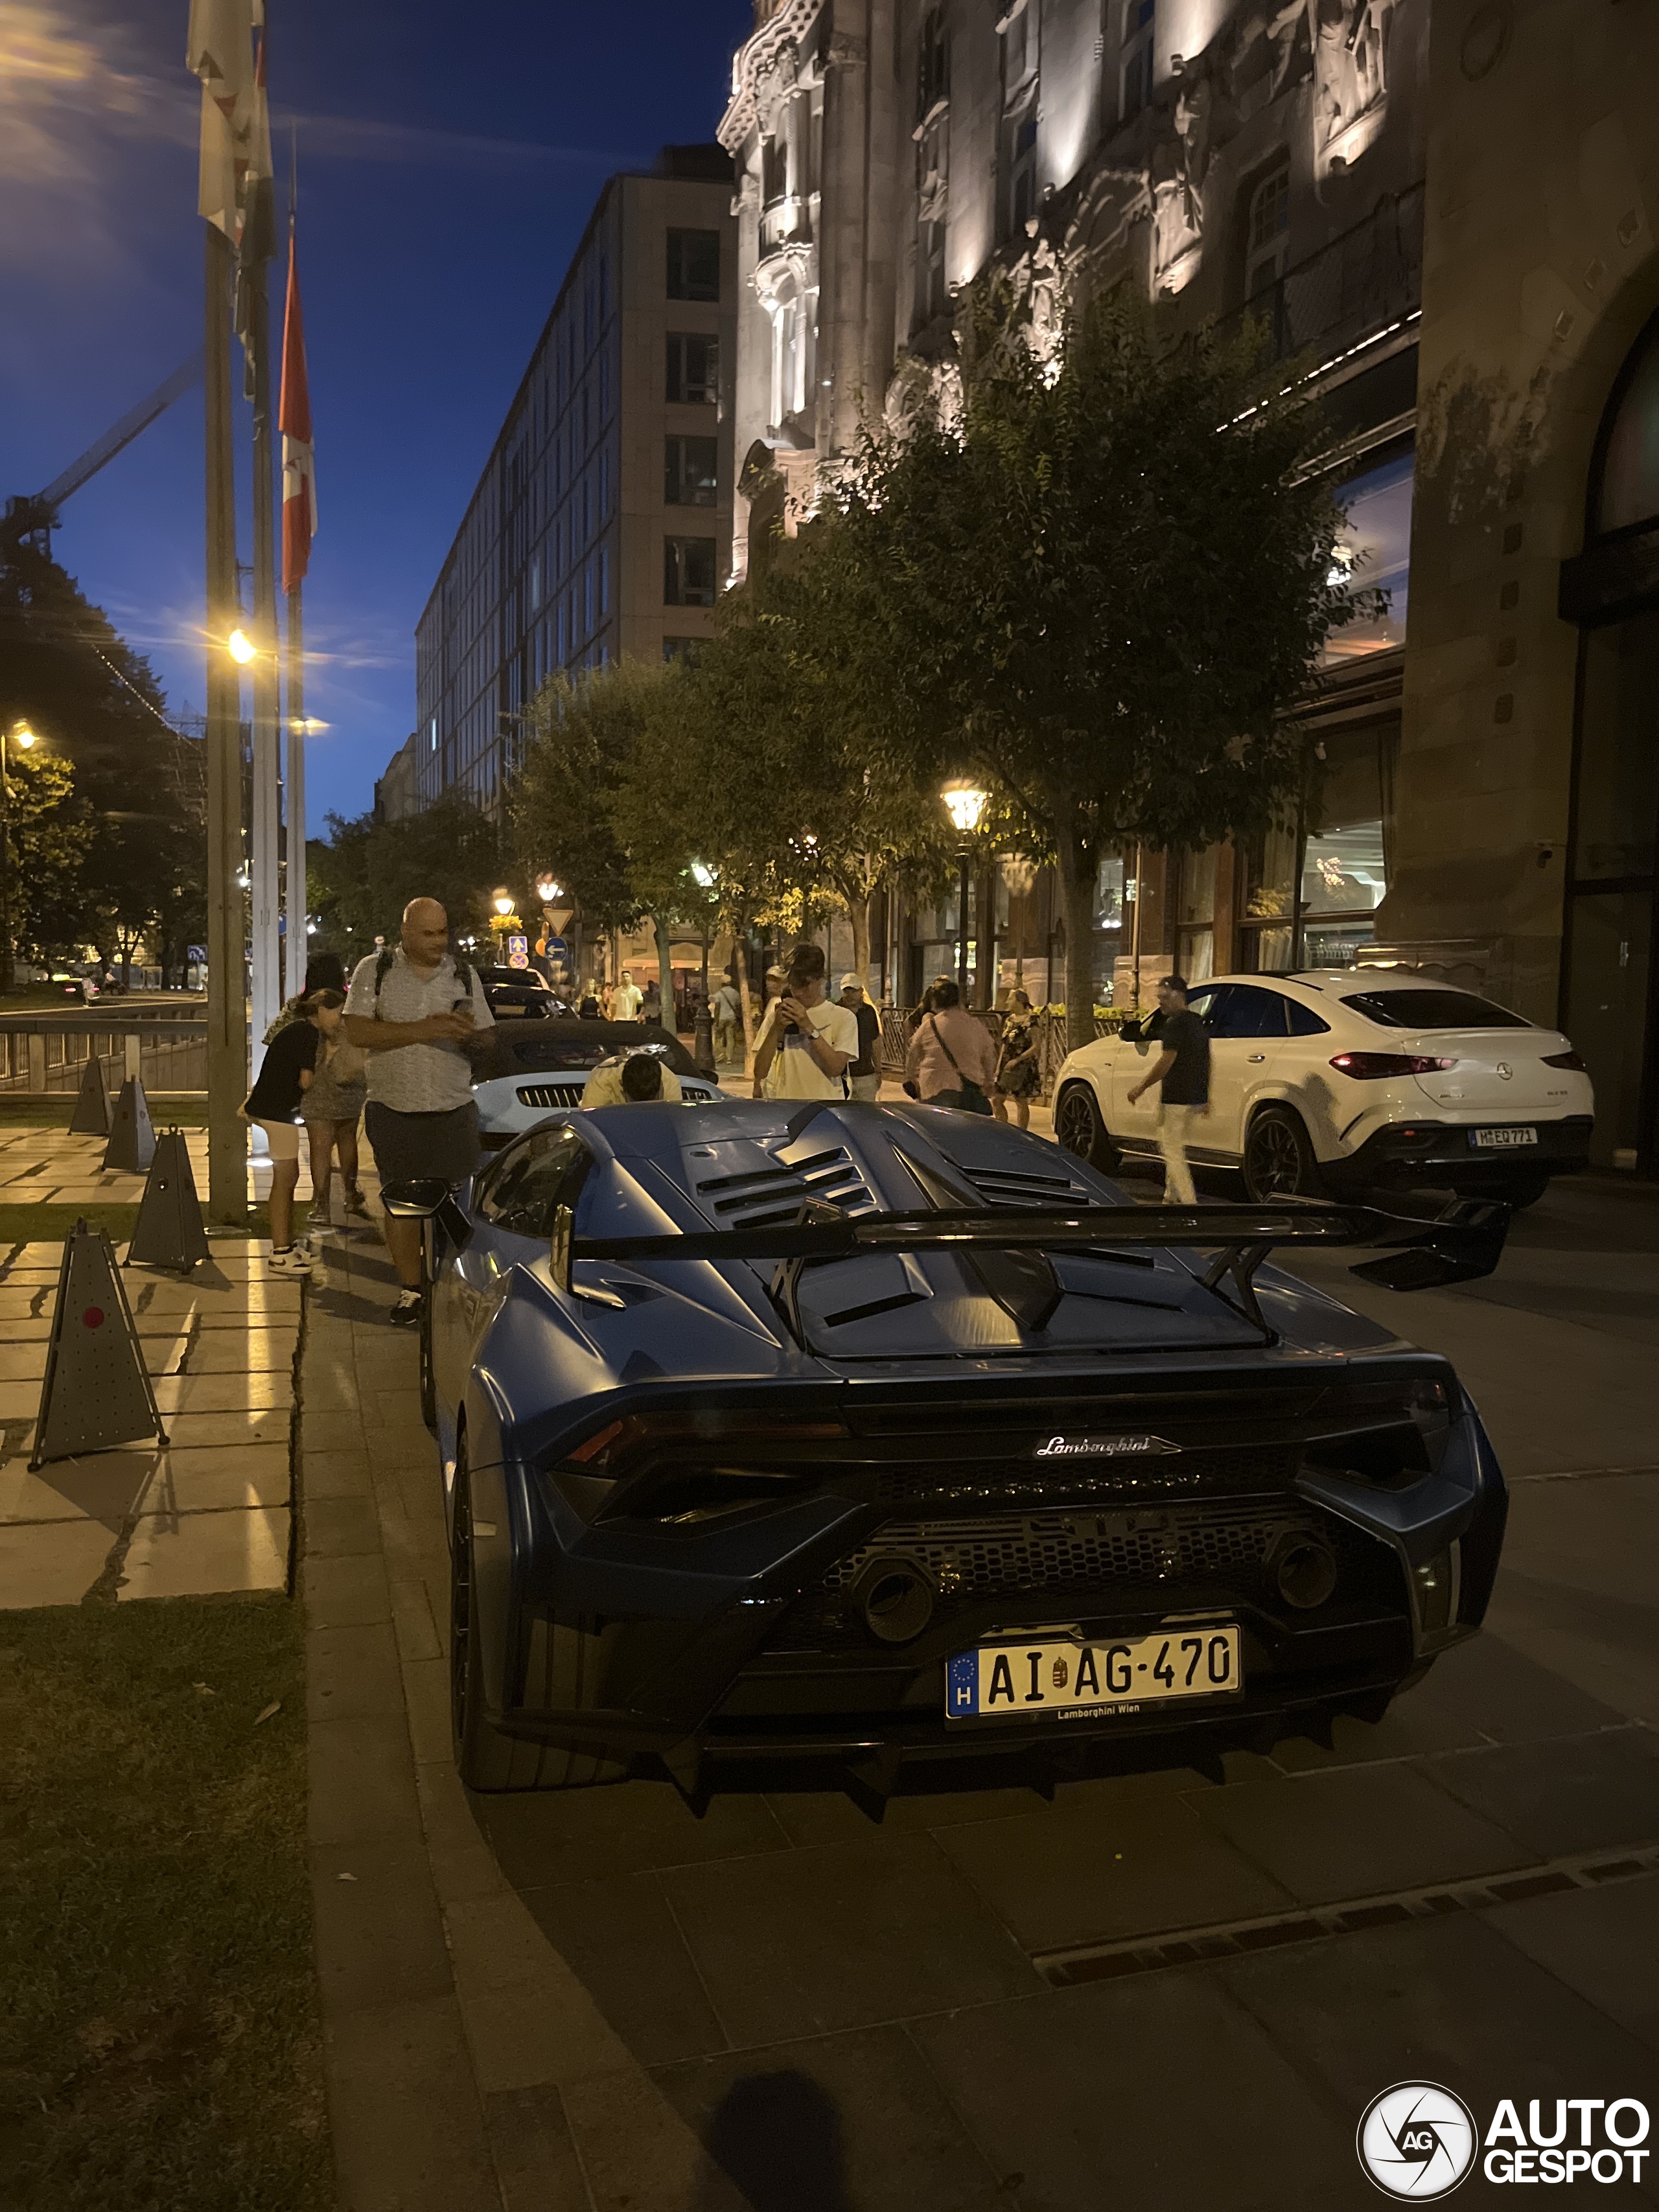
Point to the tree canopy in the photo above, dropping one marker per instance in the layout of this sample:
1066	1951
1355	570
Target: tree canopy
1103	588
359	880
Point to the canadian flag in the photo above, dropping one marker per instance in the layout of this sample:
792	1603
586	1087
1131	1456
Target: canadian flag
294	420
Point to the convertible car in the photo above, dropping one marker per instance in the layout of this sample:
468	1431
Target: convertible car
867	1435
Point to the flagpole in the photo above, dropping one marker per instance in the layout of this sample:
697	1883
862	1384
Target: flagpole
226	1053
264	859
293	793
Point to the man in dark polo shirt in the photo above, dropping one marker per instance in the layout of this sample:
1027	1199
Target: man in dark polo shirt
1184	1070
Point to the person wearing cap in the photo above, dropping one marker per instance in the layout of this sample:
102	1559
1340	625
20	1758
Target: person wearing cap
1183	1071
727	1012
864	1074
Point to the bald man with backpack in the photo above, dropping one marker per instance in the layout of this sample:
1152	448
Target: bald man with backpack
419	1012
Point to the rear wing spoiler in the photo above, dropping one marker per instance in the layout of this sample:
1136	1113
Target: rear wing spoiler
1459	1245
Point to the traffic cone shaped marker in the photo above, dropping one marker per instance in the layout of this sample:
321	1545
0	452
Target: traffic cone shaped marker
131	1142
91	1114
170	1231
97	1391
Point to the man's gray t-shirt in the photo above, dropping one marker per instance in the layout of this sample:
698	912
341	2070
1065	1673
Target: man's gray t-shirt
417	1078
1188	1082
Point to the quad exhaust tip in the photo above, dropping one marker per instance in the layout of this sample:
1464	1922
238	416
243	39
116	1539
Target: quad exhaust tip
1301	1569
895	1595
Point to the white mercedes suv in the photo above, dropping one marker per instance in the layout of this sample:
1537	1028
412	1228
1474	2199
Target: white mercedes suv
1342	1079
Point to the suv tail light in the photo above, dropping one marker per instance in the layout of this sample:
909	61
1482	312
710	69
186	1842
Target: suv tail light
1574	1060
1374	1066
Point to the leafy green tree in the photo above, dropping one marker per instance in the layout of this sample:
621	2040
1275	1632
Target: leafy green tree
1103	588
361	878
97	709
51	832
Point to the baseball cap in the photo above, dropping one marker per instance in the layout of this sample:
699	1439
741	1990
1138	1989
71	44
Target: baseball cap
850	982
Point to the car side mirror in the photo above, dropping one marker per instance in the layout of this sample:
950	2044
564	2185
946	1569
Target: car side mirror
1130	1032
417	1200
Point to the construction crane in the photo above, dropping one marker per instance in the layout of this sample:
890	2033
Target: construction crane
34	515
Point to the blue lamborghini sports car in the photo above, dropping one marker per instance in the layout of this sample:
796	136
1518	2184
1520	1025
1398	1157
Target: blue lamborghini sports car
867	1434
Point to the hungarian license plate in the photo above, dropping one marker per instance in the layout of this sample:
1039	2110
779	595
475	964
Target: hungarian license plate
1056	1678
1500	1140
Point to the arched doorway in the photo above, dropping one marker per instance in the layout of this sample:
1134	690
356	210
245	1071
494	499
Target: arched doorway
1610	974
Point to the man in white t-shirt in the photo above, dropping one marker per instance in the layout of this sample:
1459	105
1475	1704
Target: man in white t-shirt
806	1042
626	998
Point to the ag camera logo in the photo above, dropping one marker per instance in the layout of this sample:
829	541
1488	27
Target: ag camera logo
1417	2141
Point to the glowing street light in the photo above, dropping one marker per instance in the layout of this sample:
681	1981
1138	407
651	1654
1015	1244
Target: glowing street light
23	736
503	902
965	803
546	889
240	647
704	876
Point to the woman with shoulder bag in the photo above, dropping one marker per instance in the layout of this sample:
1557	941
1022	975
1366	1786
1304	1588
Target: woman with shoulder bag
951	1061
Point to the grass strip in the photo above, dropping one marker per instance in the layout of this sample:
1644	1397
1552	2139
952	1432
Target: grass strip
160	2048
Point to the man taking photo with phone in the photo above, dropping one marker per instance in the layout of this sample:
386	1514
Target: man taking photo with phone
806	1042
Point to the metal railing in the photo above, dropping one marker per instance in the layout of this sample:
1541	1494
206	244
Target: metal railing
46	1056
1363	280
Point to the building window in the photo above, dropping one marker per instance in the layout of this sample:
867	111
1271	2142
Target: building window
1022	172
432	735
680	649
933	64
933	156
688	471
693	265
1019	51
1195	915
1311	890
774	170
1373	554
688	572
1136	57
694	369
1266	231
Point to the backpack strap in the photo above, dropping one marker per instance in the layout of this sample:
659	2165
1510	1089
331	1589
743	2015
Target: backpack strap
382	969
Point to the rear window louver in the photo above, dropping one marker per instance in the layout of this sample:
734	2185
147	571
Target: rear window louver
762	1198
1021	1188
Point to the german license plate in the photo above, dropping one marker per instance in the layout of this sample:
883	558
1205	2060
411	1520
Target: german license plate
1500	1140
1050	1679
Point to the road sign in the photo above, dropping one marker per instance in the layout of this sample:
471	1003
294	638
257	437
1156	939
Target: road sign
518	952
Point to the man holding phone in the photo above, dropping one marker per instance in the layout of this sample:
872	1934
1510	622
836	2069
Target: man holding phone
806	1043
418	1013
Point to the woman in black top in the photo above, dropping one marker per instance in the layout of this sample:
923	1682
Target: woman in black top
1018	1078
285	1076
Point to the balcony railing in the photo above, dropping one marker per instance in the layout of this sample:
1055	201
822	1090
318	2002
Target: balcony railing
1362	282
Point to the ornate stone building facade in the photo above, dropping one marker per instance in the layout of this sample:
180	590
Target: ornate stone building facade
1529	777
1218	153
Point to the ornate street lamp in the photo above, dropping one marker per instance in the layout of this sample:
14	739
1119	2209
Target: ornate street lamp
24	738
965	803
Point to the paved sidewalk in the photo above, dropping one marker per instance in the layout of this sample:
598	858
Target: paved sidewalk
469	2068
211	1512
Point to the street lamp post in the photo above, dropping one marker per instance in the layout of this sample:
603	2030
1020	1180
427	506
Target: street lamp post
965	803
22	737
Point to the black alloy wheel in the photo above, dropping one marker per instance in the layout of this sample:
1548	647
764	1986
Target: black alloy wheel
1080	1130
1278	1160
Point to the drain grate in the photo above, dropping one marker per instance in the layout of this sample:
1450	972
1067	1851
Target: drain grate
1149	1954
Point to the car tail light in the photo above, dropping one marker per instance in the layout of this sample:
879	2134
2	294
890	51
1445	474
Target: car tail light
609	1450
1575	1061
1374	1066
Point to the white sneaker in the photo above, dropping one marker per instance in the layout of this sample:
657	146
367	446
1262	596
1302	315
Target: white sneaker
296	1260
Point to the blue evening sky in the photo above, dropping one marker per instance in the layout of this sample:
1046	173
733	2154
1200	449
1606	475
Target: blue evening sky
449	158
